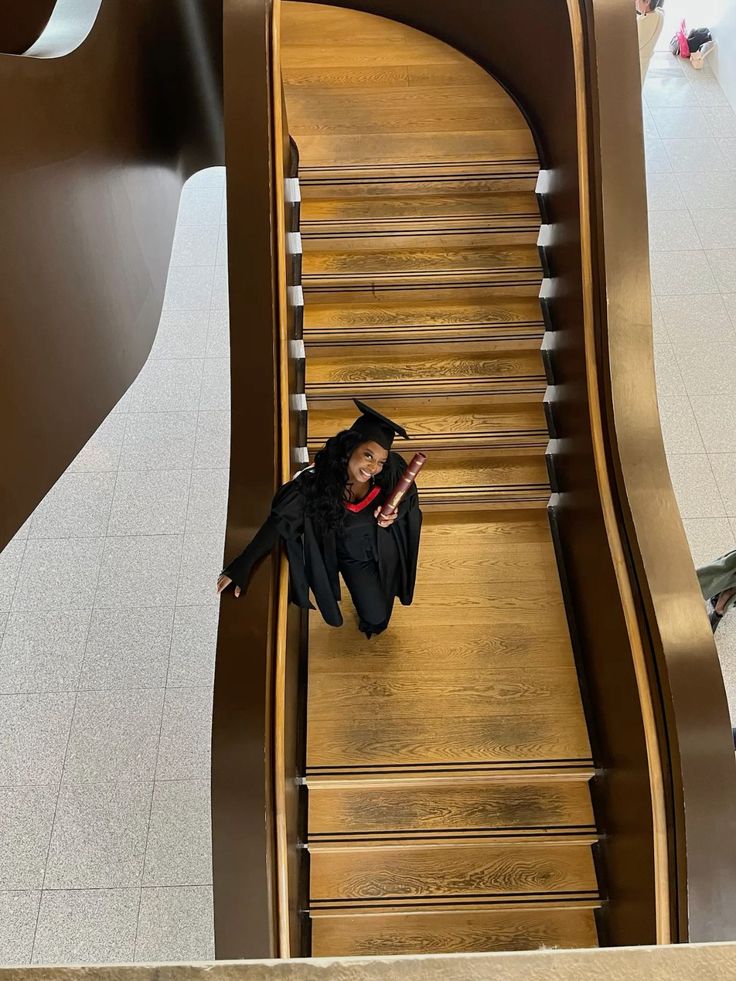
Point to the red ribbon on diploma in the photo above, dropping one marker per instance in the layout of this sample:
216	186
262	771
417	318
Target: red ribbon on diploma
405	481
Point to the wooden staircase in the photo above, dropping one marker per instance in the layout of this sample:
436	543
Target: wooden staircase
447	760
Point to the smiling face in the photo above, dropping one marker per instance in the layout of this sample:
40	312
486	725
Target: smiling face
366	461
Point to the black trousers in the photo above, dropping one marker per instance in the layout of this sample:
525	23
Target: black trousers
371	603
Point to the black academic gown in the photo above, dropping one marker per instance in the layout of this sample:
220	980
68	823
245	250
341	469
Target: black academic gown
313	556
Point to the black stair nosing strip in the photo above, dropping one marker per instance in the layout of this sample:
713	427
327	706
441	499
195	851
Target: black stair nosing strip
493	324
480	228
526	218
492	167
417	836
398	902
373	287
540	901
488	766
348	341
554	772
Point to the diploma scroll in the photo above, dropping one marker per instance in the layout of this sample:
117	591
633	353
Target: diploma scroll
405	481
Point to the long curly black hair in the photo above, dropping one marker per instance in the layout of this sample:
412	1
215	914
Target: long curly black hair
327	491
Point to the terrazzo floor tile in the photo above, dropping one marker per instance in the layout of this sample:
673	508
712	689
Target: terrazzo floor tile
99	836
18	916
26	816
212	448
695	486
663	192
708	538
43	652
58	574
666	370
11	559
175	924
139	571
180	334
150	502
696	156
673	122
102	452
159	441
77	506
127	649
195	245
716	416
724	470
171	385
208	497
179	840
723	264
694	322
34	730
79	926
714	190
681	273
201	564
184	750
679	428
710	370
672	231
192	657
215	384
189	288
114	736
218	334
201	206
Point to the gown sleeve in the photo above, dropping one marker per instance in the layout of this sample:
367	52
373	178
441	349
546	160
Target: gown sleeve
286	521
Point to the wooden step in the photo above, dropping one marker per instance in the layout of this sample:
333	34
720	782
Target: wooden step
445	315
347	264
417	805
341	371
507	216
478	929
501	421
438	870
519	174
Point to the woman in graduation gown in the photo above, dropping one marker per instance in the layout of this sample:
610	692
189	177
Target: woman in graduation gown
328	519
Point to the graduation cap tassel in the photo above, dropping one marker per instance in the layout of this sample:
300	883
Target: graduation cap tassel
404	483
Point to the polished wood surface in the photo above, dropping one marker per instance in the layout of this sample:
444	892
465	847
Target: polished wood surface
447	760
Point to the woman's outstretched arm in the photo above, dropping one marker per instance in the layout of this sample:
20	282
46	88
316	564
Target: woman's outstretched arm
240	568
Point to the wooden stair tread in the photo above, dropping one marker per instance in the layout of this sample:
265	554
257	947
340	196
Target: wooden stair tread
438	254
431	422
410	805
441	869
382	933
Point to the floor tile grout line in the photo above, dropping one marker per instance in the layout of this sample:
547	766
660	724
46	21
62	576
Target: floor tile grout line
73	714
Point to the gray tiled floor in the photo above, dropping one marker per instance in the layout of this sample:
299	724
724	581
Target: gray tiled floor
692	213
108	623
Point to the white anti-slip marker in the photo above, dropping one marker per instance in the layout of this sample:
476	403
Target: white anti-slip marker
292	191
295	296
544	182
296	350
293	243
298	402
544	239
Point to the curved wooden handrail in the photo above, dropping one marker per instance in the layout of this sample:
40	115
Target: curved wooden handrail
91	171
695	730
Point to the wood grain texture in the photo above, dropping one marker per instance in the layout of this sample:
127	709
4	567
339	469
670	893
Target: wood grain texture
460	931
450	870
461	725
414	807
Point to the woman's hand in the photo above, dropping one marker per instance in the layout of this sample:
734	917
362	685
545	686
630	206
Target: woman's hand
223	582
385	522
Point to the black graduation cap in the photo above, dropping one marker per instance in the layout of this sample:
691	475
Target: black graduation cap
376	428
